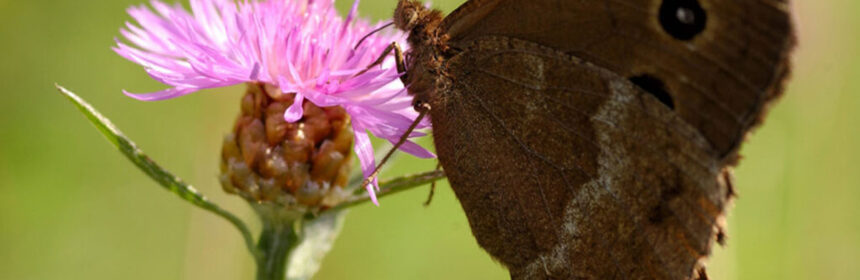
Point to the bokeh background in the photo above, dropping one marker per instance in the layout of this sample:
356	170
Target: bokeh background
71	207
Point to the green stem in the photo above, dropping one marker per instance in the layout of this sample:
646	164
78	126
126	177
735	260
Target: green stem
278	238
276	243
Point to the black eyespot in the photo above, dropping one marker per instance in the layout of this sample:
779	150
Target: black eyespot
683	19
655	87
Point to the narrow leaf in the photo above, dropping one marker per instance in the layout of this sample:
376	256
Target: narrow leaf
391	186
163	177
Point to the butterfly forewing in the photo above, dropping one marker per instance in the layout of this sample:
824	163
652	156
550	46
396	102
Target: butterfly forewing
718	80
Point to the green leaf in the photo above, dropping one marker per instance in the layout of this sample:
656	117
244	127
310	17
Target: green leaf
389	187
163	177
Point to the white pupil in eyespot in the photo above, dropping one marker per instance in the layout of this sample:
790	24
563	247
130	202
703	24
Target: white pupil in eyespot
685	15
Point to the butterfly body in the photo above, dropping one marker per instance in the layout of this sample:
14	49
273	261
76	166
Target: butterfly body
576	159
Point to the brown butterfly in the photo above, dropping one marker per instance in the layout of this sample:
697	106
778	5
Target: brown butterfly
594	139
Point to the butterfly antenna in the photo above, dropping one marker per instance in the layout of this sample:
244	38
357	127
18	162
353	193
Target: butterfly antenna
423	109
371	33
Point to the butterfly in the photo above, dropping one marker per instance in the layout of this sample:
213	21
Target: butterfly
595	139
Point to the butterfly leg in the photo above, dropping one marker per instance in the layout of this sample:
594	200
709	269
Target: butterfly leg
422	109
398	58
432	187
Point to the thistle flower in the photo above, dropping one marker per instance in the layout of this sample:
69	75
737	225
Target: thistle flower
302	48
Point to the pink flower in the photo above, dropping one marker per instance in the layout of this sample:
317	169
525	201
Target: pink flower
300	46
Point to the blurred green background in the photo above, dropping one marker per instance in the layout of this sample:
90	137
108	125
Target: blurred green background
71	207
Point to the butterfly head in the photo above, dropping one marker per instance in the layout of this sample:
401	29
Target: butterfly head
407	13
413	16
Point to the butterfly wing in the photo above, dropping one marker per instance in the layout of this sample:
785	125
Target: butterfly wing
583	142
565	169
718	71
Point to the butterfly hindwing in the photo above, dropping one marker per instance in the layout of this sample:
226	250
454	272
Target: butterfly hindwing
564	177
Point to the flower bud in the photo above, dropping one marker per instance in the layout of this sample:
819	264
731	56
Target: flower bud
302	165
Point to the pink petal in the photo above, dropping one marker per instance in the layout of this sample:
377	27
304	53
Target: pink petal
160	95
294	113
414	149
364	151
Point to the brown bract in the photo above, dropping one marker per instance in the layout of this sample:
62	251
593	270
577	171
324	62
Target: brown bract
302	165
594	139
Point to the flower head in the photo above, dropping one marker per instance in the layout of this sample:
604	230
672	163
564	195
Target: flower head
302	47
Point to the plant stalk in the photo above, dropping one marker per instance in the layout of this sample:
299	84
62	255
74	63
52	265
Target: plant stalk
278	238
